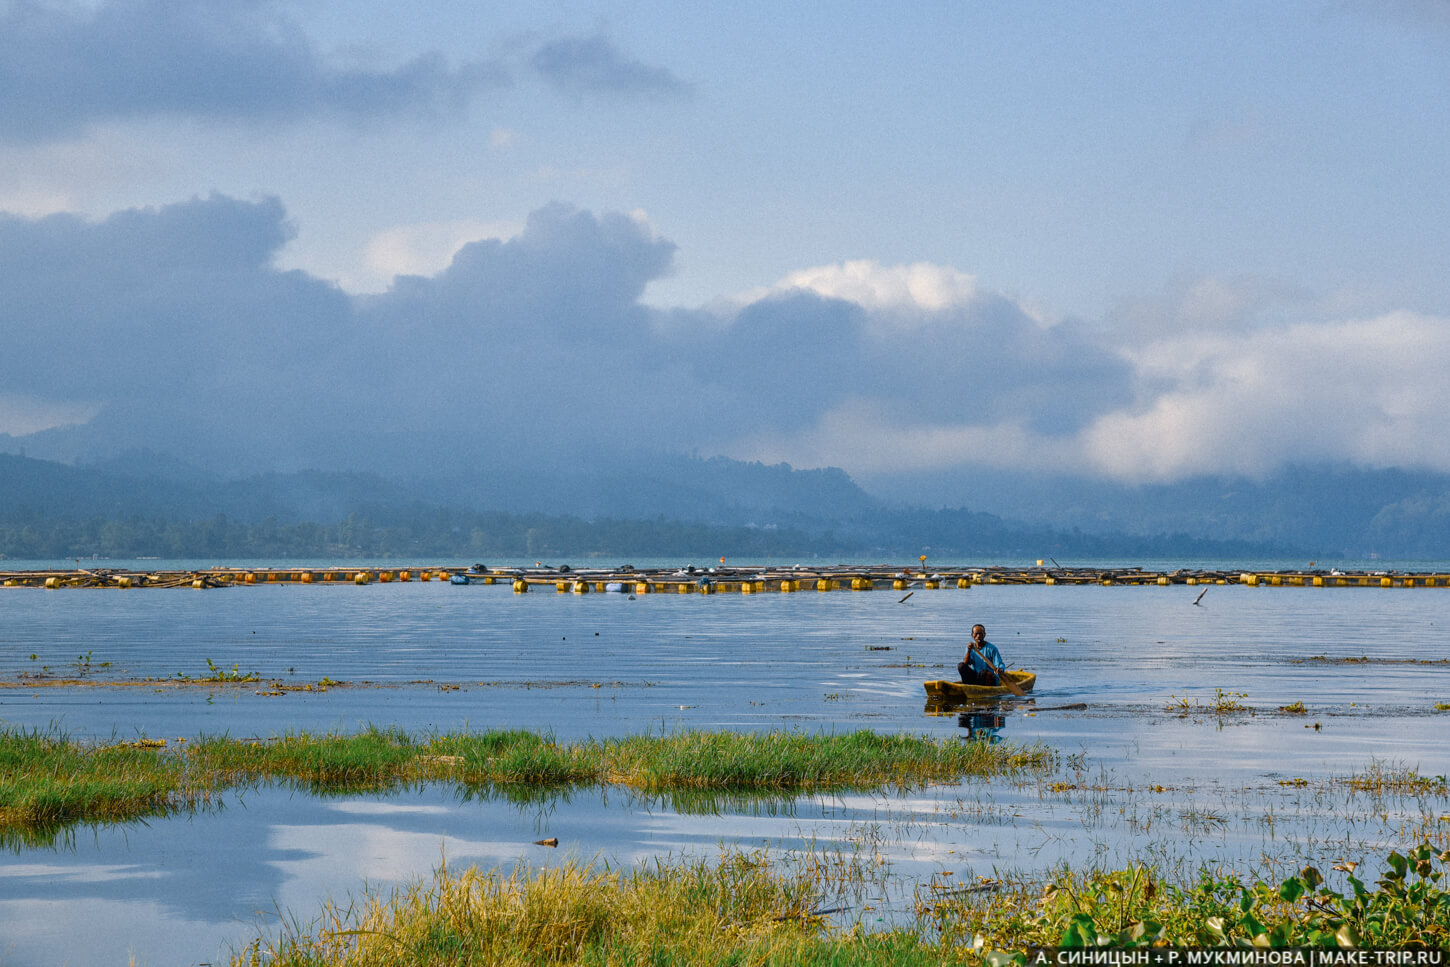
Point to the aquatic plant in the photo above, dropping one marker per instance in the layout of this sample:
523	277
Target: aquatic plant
47	779
1408	906
48	782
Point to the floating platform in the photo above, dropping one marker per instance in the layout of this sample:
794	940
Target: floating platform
715	580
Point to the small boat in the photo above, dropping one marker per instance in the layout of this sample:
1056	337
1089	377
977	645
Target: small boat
950	691
458	579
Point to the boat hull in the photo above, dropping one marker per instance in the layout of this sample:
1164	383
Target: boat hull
950	691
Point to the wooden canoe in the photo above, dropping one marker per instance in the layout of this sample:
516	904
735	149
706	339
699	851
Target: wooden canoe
950	691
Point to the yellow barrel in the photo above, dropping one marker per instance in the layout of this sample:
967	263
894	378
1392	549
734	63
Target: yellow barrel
789	585
385	576
1252	580
52	583
1050	580
898	585
1107	582
1163	580
747	587
123	582
405	575
361	577
199	583
932	585
520	585
306	577
490	580
1386	582
1275	581
642	587
964	583
823	584
561	586
581	587
1318	581
272	576
249	578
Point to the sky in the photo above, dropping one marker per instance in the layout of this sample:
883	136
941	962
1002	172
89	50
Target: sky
1138	241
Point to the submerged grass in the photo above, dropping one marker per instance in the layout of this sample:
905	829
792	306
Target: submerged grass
48	781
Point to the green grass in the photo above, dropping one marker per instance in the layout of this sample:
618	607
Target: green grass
1407	906
739	911
47	781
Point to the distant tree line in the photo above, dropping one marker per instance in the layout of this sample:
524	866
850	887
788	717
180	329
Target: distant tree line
422	532
383	532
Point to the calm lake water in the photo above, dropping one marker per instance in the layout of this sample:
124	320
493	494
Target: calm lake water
1146	663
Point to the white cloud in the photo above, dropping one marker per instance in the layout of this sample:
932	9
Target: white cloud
428	247
1369	391
869	284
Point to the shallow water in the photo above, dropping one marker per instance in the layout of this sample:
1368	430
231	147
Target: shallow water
184	889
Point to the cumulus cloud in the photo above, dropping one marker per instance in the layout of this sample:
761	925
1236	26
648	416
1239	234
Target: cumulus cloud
65	67
172	328
594	65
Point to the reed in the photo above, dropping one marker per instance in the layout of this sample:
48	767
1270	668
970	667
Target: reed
49	780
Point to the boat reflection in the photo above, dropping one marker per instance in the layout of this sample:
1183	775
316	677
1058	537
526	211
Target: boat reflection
983	719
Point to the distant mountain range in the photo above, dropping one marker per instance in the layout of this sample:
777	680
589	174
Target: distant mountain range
1320	513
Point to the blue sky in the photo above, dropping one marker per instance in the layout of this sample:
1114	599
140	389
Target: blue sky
1138	241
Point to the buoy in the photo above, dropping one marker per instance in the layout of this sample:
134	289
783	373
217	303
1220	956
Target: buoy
520	586
581	587
361	577
823	584
642	587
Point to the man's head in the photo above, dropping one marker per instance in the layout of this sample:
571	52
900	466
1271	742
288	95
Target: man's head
979	632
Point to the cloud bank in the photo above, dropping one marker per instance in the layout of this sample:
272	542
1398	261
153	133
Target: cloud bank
171	328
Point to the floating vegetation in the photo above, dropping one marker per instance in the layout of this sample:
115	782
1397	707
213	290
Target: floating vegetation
1382	778
1224	703
47	781
1294	708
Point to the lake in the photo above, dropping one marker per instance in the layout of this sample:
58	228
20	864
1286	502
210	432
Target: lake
1157	763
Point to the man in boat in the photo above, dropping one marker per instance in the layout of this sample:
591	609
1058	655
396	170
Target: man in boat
973	669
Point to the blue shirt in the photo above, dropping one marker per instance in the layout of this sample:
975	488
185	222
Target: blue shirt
988	651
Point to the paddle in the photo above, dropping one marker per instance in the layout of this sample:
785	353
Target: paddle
1002	677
